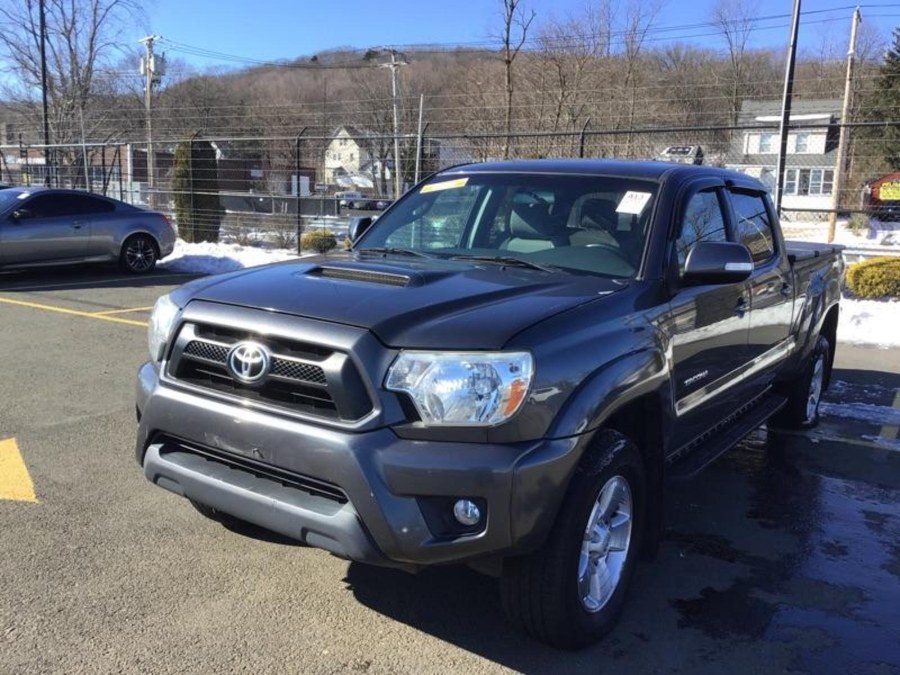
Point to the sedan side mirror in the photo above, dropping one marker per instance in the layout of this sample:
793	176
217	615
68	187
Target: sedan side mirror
717	262
358	227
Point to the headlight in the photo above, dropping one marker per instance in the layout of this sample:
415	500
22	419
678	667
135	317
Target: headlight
463	388
161	322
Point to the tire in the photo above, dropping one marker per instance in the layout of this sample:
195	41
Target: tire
548	594
139	254
805	393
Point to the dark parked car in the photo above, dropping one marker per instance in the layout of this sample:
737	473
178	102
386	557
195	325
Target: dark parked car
504	373
41	226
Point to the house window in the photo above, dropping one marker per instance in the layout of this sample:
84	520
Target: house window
820	181
808	182
790	182
766	143
801	142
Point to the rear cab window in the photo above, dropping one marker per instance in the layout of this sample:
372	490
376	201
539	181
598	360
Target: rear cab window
753	225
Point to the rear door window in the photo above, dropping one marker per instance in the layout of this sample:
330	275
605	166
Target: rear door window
753	227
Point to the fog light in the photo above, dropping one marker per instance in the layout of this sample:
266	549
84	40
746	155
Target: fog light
466	512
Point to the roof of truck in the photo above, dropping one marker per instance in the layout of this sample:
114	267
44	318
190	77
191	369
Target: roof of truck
646	169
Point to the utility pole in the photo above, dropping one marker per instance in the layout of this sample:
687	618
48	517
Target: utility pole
43	27
395	93
153	75
786	107
840	161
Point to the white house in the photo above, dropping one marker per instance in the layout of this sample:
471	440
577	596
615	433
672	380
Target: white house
811	149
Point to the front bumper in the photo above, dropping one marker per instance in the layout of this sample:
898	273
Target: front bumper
393	486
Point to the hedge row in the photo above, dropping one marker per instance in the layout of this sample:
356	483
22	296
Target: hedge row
318	241
875	278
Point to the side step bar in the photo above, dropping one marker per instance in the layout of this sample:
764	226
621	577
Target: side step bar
714	447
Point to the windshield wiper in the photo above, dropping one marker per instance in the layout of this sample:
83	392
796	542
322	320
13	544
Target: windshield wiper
390	250
512	261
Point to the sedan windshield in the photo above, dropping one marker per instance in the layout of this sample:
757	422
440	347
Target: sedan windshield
592	224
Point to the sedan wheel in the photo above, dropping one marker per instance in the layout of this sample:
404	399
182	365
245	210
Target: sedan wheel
139	254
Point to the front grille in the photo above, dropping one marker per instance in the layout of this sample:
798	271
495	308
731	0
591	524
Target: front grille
281	367
206	351
304	378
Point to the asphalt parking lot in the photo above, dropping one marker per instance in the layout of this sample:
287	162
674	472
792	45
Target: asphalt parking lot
784	556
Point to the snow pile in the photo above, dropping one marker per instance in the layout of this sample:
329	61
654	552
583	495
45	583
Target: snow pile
871	322
209	258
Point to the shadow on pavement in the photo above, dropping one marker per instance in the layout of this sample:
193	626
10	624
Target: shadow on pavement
756	573
85	276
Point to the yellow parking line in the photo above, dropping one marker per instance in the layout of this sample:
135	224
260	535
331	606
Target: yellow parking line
15	483
72	312
122	311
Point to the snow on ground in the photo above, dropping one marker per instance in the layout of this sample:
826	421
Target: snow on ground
865	412
209	258
877	234
870	322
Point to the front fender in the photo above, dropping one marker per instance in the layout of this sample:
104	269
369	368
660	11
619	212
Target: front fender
611	387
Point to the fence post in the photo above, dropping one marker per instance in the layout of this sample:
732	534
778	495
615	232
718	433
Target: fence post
420	143
297	188
581	138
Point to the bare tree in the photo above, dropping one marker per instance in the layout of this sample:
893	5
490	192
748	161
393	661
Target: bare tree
734	19
516	23
81	44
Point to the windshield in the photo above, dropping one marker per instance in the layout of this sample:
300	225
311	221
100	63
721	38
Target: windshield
10	196
592	224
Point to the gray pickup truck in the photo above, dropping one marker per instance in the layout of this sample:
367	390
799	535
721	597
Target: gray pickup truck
503	372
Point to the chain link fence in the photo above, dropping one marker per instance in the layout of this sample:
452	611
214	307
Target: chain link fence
272	188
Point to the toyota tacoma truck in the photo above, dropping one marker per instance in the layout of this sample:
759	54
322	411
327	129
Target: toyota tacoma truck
504	371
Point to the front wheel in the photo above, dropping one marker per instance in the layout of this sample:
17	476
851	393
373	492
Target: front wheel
570	593
139	254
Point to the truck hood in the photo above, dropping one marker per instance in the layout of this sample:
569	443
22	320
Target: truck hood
427	304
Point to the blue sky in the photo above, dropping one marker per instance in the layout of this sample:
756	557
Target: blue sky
282	29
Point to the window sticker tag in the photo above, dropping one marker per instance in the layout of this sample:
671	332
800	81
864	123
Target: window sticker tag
446	185
633	202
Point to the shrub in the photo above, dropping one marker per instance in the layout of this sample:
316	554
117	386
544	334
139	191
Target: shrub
858	224
318	241
875	278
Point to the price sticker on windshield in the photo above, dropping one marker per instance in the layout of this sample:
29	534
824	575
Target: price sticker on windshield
445	185
633	202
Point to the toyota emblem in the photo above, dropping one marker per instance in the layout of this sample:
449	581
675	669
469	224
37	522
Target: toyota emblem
249	362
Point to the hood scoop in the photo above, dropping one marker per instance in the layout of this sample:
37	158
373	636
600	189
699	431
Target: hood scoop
367	276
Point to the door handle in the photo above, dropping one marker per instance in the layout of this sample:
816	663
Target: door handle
741	307
76	226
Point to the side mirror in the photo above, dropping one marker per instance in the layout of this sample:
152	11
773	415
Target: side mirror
358	227
717	262
21	214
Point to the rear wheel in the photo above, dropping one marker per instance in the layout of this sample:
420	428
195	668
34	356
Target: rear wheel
139	254
570	593
805	394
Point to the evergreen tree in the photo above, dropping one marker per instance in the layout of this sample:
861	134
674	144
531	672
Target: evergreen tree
195	183
882	106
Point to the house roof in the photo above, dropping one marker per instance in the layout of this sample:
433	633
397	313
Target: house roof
800	108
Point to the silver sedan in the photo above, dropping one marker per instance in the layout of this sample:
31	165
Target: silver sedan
41	226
